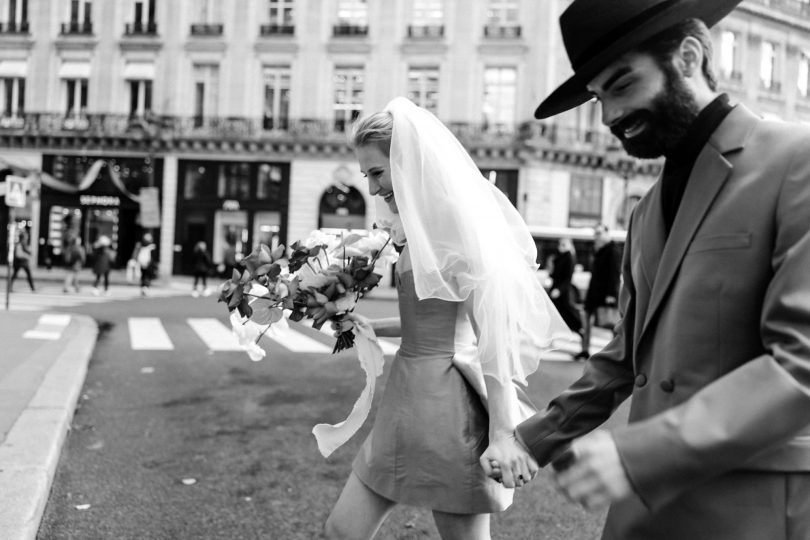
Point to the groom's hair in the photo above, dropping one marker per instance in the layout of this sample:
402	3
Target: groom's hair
664	44
373	129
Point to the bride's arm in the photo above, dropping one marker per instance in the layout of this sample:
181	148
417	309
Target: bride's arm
386	327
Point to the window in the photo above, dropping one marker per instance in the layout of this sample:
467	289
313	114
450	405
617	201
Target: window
76	92
140	98
427	13
144	19
79	18
423	87
348	102
206	92
13	95
585	209
209	19
200	180
502	19
17	21
352	18
269	182
234	181
276	97
281	12
729	55
768	66
499	98
804	75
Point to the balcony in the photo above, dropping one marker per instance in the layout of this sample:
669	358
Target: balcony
204	29
277	30
14	27
426	31
77	28
771	87
14	121
347	30
502	32
140	29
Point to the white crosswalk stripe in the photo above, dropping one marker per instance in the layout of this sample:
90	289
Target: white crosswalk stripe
148	334
215	335
387	346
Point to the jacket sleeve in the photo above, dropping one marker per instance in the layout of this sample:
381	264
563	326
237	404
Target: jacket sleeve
754	408
607	380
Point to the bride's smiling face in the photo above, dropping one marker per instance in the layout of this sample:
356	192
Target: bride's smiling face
376	167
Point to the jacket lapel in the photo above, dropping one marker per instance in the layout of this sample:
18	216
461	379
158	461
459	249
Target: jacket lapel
708	177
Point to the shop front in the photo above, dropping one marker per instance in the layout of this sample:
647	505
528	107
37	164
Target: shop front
88	197
231	207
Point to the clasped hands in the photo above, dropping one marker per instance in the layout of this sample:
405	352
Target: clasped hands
589	473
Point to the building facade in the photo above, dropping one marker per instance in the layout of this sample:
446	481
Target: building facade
225	121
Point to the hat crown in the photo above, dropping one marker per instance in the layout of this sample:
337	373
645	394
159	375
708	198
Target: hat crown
588	25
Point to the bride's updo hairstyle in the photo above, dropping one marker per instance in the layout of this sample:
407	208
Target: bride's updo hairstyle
373	129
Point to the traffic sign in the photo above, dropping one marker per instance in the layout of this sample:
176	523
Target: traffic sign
15	191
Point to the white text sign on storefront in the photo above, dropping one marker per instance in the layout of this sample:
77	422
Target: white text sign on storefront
15	191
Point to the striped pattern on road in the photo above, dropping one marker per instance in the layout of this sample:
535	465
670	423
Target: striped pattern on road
49	326
388	347
216	335
148	334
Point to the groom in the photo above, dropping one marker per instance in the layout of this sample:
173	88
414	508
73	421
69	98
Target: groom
714	345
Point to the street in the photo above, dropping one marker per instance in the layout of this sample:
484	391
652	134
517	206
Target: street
177	437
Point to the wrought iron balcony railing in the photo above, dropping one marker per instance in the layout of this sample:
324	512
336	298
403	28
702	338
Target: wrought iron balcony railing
77	27
425	31
14	27
350	30
277	30
205	29
502	31
139	28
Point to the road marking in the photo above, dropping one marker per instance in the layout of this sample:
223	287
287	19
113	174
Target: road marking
215	334
148	334
49	326
388	347
297	342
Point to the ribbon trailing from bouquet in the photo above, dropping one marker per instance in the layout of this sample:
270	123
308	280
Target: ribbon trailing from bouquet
369	353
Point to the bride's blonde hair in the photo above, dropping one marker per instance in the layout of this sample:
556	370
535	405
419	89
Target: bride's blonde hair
375	129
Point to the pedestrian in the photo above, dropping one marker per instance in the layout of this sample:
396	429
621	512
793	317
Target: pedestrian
201	266
603	289
143	255
74	262
468	267
229	259
563	292
22	260
714	343
103	257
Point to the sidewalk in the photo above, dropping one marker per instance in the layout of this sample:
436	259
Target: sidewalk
42	370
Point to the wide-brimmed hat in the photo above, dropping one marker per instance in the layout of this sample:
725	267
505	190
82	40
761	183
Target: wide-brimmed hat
598	32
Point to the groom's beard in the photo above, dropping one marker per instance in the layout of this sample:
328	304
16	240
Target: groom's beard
668	118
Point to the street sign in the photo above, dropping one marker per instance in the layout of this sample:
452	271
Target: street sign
15	191
150	209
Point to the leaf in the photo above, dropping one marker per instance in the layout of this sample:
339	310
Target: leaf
264	314
244	308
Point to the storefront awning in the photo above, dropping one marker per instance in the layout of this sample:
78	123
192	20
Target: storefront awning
139	71
74	70
13	68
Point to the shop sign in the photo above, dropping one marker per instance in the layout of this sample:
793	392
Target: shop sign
230	205
150	210
99	200
15	191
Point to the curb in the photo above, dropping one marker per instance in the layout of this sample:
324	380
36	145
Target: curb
30	453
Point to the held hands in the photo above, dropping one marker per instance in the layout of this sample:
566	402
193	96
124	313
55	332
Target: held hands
509	462
590	472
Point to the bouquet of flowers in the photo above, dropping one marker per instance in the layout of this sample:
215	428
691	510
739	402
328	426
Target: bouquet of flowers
322	278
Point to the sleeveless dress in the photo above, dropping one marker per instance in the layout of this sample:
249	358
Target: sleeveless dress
431	427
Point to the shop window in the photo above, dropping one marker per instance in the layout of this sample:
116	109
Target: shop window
234	181
506	180
200	180
585	201
342	207
269	182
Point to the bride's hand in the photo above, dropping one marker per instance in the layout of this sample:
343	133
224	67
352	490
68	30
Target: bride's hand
349	321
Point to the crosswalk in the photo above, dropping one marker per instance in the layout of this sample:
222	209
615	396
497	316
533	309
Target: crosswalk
149	334
50	298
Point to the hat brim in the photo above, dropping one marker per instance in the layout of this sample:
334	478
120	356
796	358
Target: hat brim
574	92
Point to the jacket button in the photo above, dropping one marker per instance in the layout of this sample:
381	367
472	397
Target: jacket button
667	385
641	380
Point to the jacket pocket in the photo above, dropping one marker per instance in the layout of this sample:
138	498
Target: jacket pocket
720	241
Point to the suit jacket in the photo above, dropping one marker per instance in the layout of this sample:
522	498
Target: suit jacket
714	344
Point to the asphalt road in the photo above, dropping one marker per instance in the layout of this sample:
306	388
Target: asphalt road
190	443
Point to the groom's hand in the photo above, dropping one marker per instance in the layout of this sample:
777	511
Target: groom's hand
593	475
508	461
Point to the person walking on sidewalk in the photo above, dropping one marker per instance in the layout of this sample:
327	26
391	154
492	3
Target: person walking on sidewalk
201	262
142	254
22	260
563	293
74	261
103	256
